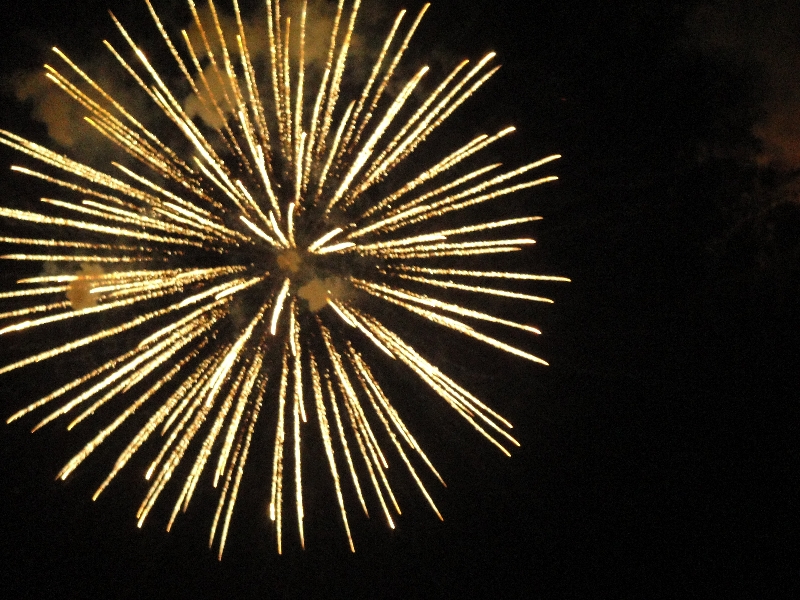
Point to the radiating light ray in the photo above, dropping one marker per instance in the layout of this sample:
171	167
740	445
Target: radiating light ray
451	248
456	325
164	348
112	230
416	213
434	117
354	317
481	274
239	469
324	239
278	306
263	265
447	306
34	292
473	288
450	161
369	146
75	462
359	107
440	191
326	438
335	146
461	253
298	478
31	323
336	248
360	429
336	70
464	403
69	244
276	502
389	73
82	258
241	407
373	390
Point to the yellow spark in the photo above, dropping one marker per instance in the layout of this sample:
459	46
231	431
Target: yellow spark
258	231
276	312
324	239
213	270
336	248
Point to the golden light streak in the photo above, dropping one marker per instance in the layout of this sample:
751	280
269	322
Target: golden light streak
87	258
388	74
69	244
118	373
481	274
152	424
83	312
238	288
258	231
444	188
339	426
467	330
366	151
336	70
336	248
428	237
422	112
276	503
290	224
34	292
335	146
432	302
239	412
266	266
326	438
112	230
477	144
473	288
324	239
373	390
99	438
298	477
277	230
242	458
278	307
366	331
335	306
429	122
297	352
464	403
450	247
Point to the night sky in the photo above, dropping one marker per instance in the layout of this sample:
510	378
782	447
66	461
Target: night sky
659	452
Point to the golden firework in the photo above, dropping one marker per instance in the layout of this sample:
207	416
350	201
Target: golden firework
260	263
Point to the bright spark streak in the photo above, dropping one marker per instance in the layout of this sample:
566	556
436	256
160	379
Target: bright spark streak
280	300
325	238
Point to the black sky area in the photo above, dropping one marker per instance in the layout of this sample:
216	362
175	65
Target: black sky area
659	452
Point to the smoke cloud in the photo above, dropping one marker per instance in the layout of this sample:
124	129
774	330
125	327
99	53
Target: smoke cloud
49	106
763	33
64	117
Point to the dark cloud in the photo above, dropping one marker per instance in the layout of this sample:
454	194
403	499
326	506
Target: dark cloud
765	35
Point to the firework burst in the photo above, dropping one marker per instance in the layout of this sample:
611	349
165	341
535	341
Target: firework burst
262	267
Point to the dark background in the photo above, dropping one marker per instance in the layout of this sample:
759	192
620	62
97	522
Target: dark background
659	450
